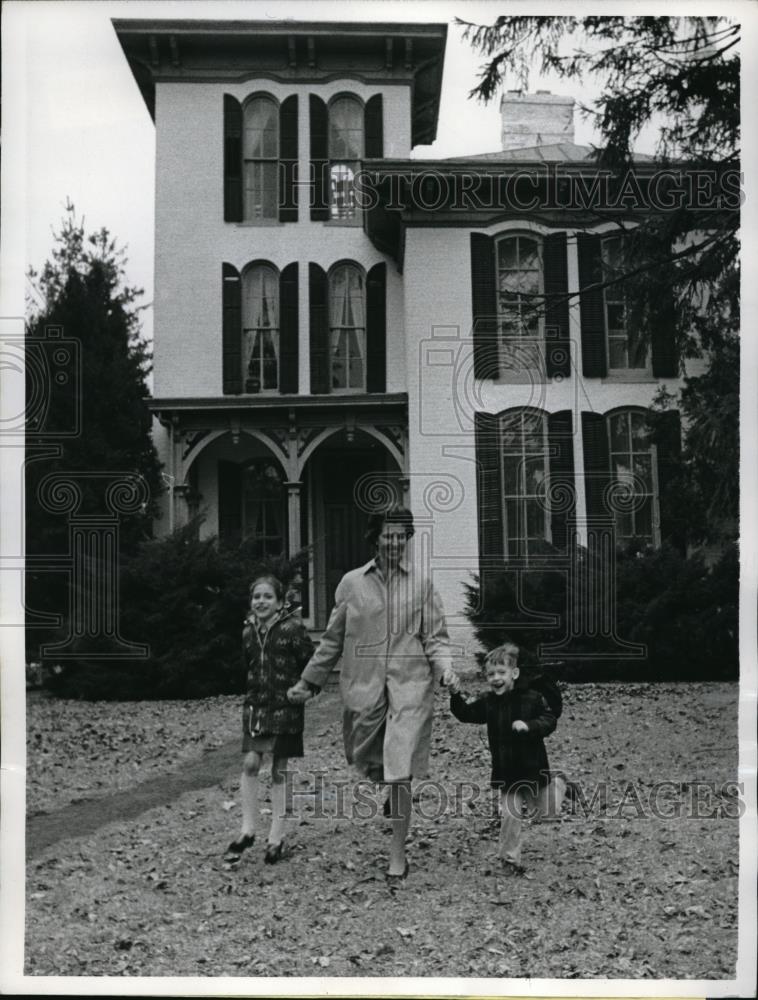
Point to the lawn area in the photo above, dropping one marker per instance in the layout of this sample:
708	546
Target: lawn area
639	880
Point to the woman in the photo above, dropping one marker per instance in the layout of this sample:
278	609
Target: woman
389	628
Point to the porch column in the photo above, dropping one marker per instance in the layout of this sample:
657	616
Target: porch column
293	511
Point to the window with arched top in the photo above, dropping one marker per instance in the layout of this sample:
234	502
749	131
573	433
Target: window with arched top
346	142
347	329
260	329
264	507
260	155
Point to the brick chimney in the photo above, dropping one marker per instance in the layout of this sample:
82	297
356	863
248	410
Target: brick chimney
536	119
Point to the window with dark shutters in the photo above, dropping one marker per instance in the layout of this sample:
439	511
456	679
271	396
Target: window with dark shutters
232	159
289	329
562	490
555	277
319	129
484	302
591	305
489	493
231	297
376	328
318	295
288	153
374	127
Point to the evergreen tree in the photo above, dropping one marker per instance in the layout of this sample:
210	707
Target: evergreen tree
81	297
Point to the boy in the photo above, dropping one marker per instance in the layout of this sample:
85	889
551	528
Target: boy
518	718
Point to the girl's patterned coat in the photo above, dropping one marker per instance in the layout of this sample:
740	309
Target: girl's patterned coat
275	659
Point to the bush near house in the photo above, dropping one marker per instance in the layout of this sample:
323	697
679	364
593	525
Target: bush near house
684	612
186	598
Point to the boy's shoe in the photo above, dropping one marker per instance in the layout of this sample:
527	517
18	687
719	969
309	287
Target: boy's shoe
237	847
511	868
273	853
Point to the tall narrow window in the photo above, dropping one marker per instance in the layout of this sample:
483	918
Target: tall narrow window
260	329
263	507
520	304
347	328
625	351
260	153
346	139
634	465
525	470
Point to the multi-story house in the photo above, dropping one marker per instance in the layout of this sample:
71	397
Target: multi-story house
337	323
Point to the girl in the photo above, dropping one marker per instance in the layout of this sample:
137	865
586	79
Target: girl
276	648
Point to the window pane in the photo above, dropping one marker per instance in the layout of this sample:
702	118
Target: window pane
640	440
261	192
644	520
617	352
534	469
643	470
622	470
261	138
637	352
342	190
624	528
535	519
507	254
619	432
345	129
528	254
615	316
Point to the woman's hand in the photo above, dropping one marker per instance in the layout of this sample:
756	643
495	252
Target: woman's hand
299	693
451	680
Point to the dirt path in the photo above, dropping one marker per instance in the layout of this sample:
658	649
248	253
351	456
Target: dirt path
88	815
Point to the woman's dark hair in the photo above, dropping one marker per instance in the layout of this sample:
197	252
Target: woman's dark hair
393	515
276	585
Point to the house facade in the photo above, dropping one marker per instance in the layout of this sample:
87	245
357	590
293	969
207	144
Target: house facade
338	325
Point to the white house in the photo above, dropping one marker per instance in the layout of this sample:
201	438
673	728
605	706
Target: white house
337	324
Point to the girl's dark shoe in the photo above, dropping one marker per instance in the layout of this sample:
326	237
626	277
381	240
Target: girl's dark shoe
237	847
273	853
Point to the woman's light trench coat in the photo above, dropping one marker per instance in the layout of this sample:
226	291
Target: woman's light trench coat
392	638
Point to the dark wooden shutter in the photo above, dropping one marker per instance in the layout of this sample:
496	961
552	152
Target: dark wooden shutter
229	503
484	300
592	308
288	159
288	329
555	276
376	329
373	124
489	493
319	121
231	297
318	291
668	440
597	469
232	159
562	486
663	337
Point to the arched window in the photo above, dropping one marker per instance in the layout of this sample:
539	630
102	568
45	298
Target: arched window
260	329
525	475
346	142
347	329
260	155
263	507
634	465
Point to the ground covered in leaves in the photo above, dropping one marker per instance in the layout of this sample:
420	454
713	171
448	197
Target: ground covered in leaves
639	880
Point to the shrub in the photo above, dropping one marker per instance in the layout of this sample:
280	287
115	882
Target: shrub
684	612
186	598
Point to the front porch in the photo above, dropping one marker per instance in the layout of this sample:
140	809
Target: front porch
288	473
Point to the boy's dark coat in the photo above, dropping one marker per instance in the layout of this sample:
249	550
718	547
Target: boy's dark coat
274	663
516	757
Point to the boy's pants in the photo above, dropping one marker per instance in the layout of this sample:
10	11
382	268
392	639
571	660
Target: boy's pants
544	803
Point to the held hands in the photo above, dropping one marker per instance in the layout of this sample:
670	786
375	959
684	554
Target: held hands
520	727
299	693
451	680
